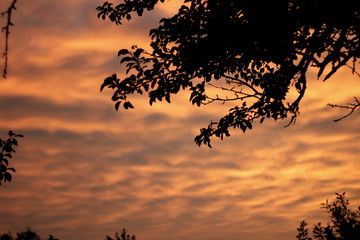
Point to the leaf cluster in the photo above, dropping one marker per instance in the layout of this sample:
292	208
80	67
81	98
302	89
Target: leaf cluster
256	52
124	10
146	73
6	151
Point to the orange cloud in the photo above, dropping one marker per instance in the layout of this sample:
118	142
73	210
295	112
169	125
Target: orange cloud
84	170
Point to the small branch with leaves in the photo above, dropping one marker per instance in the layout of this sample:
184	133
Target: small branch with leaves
6	150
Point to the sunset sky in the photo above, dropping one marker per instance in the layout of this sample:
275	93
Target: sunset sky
84	171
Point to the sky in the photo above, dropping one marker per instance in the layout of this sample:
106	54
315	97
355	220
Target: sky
84	171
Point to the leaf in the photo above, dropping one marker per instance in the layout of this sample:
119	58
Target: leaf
146	87
128	105
9	149
167	98
242	127
6	161
248	124
117	104
262	119
108	81
14	142
139	12
138	52
11	133
126	59
123	52
11	169
7	177
3	168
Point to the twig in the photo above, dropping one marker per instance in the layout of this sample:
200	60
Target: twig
351	106
6	29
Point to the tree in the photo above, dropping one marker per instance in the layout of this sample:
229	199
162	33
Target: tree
344	225
23	235
31	235
253	52
6	151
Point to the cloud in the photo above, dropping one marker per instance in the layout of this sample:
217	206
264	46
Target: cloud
85	170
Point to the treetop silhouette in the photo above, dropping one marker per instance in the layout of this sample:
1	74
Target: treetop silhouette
255	51
344	222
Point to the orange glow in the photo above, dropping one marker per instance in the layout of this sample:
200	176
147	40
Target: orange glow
84	170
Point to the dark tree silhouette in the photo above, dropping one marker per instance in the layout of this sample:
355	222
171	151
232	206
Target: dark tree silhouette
6	151
31	235
253	52
123	236
344	225
23	235
6	30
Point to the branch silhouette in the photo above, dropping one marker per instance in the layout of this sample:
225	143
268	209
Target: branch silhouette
259	52
350	106
6	30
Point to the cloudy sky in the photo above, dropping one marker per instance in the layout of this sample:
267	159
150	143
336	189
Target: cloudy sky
85	170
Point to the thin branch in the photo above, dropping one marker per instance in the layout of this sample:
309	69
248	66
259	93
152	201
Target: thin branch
6	29
239	95
351	106
353	69
240	82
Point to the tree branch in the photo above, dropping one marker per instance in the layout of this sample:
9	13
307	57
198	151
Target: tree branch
6	29
351	106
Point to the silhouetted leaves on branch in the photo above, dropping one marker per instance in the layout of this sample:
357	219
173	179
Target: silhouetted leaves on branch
6	151
256	54
344	225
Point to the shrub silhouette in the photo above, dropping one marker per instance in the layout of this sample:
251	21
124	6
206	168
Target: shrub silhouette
344	222
23	235
123	236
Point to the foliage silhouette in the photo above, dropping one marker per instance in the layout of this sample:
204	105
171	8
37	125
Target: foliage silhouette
254	53
344	225
23	235
124	236
6	150
31	235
